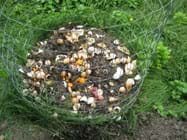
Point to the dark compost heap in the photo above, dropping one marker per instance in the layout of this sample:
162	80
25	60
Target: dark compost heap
80	69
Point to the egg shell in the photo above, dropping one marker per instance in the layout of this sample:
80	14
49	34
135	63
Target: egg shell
93	105
91	100
60	41
55	115
74	100
128	59
62	98
123	60
88	71
84	74
100	92
119	72
113	99
47	62
117	109
74	93
76	106
111	83
110	109
63	73
90	40
84	99
101	45
122	89
100	97
116	42
40	75
66	61
137	77
87	66
79	97
72	60
129	83
91	50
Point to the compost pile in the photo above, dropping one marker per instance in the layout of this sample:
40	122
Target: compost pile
80	69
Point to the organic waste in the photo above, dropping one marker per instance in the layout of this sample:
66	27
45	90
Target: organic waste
81	66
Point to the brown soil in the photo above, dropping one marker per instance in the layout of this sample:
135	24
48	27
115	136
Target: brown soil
150	127
154	127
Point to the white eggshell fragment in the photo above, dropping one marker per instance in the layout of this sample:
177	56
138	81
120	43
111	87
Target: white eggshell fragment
137	77
76	106
123	60
111	83
30	74
60	41
91	100
59	57
101	45
47	62
93	105
79	32
62	98
90	40
40	51
55	115
84	99
40	75
91	50
62	28
122	90
110	109
97	51
80	26
100	92
129	83
116	42
112	99
117	109
30	62
110	56
129	68
119	72
90	33
21	70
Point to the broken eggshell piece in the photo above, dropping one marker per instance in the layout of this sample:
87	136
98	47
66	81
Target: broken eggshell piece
118	73
129	83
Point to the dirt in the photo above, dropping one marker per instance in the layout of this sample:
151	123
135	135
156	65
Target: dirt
150	127
153	127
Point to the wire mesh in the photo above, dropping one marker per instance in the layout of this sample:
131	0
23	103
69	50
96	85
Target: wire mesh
18	36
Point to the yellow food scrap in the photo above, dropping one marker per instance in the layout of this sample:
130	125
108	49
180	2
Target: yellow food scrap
81	80
70	85
79	62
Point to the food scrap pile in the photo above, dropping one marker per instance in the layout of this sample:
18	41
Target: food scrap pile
82	66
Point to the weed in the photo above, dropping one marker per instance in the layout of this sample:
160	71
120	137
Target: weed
175	38
162	56
179	92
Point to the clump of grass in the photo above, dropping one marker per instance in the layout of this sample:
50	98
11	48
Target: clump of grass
175	38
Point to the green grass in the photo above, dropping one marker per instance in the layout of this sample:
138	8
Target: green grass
139	24
157	90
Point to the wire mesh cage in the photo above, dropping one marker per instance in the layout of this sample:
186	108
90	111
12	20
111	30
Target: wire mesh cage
135	31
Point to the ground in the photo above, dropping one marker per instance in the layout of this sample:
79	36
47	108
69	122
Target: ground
153	127
150	126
